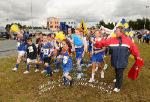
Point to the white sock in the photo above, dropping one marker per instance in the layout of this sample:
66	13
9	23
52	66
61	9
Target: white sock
102	74
93	74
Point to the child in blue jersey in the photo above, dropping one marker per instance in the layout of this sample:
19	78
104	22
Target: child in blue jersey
47	53
21	48
31	55
90	47
97	56
80	48
67	62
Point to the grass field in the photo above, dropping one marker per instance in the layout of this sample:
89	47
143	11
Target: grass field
17	87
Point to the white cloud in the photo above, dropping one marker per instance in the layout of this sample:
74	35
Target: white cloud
90	10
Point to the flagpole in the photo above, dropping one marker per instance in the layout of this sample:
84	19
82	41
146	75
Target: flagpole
31	16
146	7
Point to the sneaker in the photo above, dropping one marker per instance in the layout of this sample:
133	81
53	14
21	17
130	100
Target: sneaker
26	72
116	90
79	76
114	80
102	74
37	70
56	70
14	69
43	71
105	66
91	80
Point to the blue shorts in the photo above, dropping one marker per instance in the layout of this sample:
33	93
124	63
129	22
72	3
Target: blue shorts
79	52
41	57
90	49
98	57
67	67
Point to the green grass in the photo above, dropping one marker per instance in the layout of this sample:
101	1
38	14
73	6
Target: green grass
17	87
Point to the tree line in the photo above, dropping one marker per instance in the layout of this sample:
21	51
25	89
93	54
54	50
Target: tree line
138	24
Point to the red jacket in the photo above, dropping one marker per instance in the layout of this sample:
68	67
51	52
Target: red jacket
120	50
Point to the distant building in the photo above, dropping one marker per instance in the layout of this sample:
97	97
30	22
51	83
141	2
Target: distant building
70	22
53	23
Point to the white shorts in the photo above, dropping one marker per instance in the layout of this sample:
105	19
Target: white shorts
21	53
31	60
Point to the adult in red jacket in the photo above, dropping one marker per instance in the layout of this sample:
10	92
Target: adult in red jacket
120	47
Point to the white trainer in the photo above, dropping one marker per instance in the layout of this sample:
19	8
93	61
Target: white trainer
102	74
79	76
26	72
43	71
105	66
114	80
37	70
14	69
116	90
91	80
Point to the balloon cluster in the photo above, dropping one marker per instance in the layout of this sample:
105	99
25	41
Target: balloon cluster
14	28
125	25
60	36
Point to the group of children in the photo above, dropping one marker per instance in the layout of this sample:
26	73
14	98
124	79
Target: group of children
49	47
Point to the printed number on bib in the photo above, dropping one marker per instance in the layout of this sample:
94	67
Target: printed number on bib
65	59
46	51
30	49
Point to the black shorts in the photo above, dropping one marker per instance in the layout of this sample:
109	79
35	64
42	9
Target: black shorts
47	59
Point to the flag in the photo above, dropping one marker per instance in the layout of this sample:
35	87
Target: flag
135	69
83	26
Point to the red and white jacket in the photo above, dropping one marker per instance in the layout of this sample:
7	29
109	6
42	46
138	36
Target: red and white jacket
120	49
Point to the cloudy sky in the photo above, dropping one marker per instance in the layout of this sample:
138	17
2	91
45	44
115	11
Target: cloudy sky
90	10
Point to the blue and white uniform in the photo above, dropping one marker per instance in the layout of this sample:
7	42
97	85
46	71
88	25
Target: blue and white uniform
46	51
67	62
21	47
98	57
79	47
21	44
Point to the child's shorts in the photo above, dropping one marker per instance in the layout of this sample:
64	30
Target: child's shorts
47	60
79	52
98	57
21	53
31	60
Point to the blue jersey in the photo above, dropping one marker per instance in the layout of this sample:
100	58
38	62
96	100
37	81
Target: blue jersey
67	62
90	45
46	49
78	41
21	45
